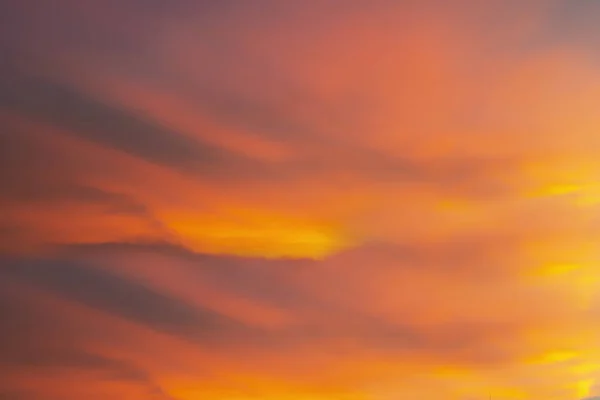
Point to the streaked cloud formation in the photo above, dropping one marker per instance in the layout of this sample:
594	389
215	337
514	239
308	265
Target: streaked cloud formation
302	200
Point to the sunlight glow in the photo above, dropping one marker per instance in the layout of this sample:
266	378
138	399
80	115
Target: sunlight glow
258	234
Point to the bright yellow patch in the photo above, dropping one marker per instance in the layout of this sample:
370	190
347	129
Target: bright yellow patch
583	388
256	234
582	194
560	189
555	357
557	269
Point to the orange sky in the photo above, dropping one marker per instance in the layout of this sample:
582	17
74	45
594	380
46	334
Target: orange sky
299	200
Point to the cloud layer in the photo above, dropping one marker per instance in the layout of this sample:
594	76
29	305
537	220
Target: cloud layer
321	199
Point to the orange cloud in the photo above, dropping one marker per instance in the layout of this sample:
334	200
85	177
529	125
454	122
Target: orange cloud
267	200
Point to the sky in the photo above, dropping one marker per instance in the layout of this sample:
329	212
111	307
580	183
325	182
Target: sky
299	200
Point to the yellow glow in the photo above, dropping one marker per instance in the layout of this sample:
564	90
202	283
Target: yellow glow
583	194
509	393
555	357
581	280
583	388
560	189
557	269
256	234
589	198
585	368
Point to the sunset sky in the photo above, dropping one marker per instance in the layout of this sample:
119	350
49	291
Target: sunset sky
299	199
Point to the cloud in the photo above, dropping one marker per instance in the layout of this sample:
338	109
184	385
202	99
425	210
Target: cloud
333	315
38	340
73	111
111	294
327	199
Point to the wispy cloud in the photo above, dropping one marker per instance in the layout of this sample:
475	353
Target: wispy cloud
321	199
